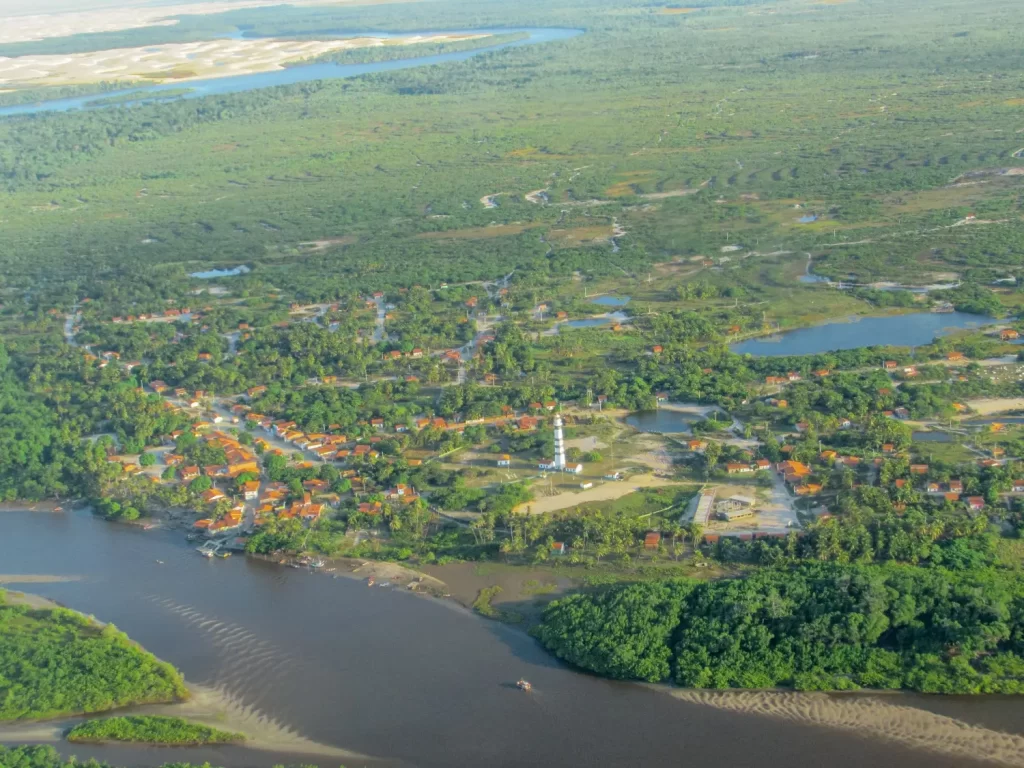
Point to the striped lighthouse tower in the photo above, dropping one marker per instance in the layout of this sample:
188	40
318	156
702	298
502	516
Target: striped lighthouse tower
559	445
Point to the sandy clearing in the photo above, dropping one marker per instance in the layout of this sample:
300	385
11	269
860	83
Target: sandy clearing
16	27
870	716
608	491
988	406
183	62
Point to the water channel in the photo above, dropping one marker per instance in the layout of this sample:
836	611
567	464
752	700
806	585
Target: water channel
911	330
409	680
291	75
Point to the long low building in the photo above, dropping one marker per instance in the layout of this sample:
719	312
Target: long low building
700	508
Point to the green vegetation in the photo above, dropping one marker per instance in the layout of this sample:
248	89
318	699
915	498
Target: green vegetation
410	51
48	757
818	627
147	729
482	604
57	662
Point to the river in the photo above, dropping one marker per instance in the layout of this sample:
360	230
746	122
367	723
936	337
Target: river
411	680
292	75
911	330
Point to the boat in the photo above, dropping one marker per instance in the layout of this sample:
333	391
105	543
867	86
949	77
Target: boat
205	552
223	555
58	509
522	685
371	581
317	564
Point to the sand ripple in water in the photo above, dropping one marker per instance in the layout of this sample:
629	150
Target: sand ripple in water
875	717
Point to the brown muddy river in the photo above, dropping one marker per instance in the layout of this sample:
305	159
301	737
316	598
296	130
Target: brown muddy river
419	682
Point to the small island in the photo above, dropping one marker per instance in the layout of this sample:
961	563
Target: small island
57	662
154	730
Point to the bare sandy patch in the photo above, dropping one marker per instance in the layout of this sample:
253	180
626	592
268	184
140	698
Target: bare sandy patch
21	21
871	716
608	491
318	246
991	405
35	578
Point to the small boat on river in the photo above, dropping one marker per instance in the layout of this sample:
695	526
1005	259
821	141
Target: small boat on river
371	581
522	685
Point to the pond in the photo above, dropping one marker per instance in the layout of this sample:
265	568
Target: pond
210	274
593	322
661	422
292	75
895	330
808	219
611	301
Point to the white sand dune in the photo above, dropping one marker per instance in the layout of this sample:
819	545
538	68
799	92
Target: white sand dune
181	62
22	21
872	717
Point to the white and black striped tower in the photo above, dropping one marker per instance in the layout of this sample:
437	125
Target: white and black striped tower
559	445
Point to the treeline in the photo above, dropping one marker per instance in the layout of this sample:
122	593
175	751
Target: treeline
816	627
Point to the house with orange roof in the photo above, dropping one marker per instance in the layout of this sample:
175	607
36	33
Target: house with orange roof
212	495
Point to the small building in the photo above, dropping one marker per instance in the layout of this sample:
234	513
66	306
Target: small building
652	540
505	460
1008	334
558	548
546	464
890	365
736	469
976	502
729	514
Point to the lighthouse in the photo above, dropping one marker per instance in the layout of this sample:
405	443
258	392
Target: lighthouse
559	445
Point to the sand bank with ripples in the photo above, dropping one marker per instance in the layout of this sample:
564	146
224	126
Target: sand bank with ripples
872	717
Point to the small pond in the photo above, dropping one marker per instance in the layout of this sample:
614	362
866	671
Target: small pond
594	322
808	219
611	301
895	330
661	422
932	437
210	274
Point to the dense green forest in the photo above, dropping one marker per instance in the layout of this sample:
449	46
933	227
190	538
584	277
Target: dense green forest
148	729
818	627
57	662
